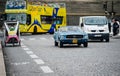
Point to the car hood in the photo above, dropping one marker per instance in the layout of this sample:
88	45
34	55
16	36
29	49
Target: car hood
96	27
72	33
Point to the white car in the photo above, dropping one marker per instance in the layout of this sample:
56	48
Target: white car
97	27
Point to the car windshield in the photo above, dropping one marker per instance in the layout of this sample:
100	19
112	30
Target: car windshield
66	29
95	21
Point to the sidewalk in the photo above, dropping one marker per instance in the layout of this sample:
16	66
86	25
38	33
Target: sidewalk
2	65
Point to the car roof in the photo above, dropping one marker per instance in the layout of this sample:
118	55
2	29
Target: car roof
93	16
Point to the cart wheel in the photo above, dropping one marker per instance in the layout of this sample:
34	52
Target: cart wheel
13	42
19	43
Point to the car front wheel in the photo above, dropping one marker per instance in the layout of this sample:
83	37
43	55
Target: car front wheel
56	43
107	40
85	44
60	44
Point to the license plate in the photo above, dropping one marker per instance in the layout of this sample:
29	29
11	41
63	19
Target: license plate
74	41
97	35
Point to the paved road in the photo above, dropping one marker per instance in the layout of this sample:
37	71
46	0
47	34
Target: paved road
38	56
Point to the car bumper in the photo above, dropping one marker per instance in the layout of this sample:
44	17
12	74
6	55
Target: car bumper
98	36
74	41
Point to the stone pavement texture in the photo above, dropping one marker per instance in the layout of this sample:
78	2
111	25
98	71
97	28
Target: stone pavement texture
2	64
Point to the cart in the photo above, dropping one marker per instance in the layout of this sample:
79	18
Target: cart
11	33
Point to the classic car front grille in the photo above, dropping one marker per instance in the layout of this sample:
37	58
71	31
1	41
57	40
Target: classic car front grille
74	36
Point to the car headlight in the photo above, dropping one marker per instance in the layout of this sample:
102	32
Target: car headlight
62	37
106	29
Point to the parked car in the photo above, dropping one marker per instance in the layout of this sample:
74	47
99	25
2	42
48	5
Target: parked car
70	35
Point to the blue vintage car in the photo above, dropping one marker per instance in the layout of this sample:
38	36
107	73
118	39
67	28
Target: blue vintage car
70	35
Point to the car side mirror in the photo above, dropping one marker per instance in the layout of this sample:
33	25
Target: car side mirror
82	24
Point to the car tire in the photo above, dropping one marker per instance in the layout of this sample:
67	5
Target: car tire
56	43
107	40
60	44
85	44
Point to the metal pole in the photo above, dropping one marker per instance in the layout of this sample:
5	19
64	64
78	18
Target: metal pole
112	9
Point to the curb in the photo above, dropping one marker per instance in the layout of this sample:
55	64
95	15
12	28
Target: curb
2	65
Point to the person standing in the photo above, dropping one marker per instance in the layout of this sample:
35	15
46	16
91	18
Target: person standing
115	27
